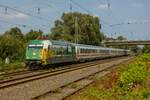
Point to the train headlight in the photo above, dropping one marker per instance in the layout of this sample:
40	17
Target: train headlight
34	53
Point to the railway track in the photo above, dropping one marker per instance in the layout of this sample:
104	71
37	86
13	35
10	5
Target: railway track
69	89
24	79
23	75
14	73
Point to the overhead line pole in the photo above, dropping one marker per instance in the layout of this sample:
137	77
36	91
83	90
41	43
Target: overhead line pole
76	29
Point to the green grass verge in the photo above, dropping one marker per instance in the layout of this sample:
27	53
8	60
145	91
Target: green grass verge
12	66
133	83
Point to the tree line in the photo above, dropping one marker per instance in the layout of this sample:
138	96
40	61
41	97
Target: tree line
73	27
79	28
13	43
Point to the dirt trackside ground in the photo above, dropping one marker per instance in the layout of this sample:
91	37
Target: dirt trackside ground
130	81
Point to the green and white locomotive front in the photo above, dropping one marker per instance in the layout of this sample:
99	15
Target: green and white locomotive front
36	52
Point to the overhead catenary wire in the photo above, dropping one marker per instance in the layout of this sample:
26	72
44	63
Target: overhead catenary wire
77	4
128	22
20	25
23	25
88	11
26	13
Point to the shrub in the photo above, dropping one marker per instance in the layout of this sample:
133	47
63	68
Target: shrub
134	73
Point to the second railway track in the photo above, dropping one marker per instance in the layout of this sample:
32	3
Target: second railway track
7	84
25	76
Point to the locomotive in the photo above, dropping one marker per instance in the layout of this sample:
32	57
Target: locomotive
47	52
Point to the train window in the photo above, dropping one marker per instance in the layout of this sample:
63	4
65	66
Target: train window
35	48
86	50
49	47
80	51
69	49
89	50
99	51
83	50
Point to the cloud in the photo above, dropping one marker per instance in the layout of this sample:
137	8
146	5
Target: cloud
104	6
95	15
14	16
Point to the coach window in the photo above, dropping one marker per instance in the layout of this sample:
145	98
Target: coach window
99	51
90	50
95	51
69	49
86	50
81	50
78	51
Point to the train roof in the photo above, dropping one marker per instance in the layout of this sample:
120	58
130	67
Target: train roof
65	43
96	47
55	42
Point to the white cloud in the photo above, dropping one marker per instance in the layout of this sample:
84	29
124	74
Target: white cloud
14	16
95	15
104	6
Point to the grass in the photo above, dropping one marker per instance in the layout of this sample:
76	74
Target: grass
129	82
5	68
11	66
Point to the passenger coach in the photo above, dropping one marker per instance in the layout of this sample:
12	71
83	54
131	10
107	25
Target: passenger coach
45	52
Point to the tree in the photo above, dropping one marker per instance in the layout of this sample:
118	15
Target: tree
146	49
135	49
32	34
11	47
77	26
12	44
15	32
121	38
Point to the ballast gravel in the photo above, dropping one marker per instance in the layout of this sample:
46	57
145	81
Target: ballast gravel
32	89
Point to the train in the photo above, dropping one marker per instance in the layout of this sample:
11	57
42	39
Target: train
49	52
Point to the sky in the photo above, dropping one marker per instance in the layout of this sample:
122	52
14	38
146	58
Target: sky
129	18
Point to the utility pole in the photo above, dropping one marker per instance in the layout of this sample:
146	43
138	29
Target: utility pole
70	7
38	10
6	10
76	29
